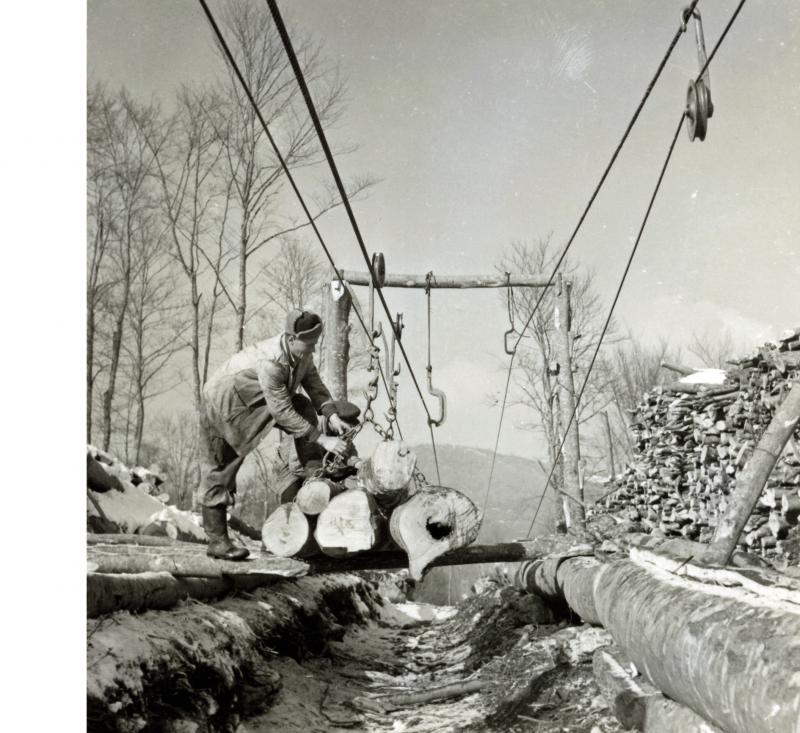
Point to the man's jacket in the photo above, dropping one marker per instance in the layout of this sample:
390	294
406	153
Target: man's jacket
252	391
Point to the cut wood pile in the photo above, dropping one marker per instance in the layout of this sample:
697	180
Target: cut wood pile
131	500
383	509
693	439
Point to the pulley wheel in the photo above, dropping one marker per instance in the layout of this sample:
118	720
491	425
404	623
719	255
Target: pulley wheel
698	104
379	268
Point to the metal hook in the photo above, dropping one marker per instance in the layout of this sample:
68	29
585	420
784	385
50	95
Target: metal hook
439	395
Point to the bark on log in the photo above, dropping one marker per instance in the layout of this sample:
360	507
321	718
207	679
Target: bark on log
351	523
639	705
431	523
316	494
560	578
132	539
192	564
107	593
286	531
752	480
730	655
388	472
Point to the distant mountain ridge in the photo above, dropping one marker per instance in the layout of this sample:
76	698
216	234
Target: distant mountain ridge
517	485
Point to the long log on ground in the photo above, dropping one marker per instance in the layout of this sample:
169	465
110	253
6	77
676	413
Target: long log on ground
639	705
730	655
132	539
431	523
472	555
192	564
750	483
728	647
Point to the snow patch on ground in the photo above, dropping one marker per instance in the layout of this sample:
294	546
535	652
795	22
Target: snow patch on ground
705	376
426	611
131	508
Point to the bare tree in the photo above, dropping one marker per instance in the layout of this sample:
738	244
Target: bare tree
196	205
156	323
536	378
714	350
176	443
117	141
253	170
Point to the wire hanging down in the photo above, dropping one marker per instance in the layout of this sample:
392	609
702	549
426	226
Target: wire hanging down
628	265
248	93
289	48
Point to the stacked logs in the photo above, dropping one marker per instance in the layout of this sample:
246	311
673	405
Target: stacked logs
692	442
383	510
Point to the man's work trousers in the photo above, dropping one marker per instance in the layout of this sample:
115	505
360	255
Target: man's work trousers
218	485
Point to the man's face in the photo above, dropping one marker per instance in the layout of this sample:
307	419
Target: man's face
299	347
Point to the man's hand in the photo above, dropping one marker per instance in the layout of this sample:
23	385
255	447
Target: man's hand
339	425
333	445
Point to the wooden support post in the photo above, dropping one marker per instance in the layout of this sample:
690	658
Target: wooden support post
609	446
572	451
750	483
335	351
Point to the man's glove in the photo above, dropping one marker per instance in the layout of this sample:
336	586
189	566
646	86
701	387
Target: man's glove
337	424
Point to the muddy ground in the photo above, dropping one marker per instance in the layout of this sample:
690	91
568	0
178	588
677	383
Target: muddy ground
333	654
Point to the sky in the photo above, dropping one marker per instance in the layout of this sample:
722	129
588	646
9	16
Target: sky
490	122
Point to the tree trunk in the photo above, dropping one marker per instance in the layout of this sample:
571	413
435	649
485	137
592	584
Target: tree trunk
350	523
336	303
90	333
241	310
571	451
431	523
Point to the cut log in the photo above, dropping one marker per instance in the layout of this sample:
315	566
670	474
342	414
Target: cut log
285	532
431	523
316	494
350	523
388	472
243	528
639	705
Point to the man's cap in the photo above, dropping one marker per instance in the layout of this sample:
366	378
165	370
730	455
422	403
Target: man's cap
307	326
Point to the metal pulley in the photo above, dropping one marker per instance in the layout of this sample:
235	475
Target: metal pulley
699	107
378	266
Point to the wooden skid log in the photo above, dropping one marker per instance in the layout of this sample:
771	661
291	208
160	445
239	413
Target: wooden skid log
350	523
316	494
107	593
432	522
728	654
285	532
191	564
639	705
475	554
131	539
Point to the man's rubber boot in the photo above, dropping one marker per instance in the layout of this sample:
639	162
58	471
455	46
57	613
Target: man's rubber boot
215	523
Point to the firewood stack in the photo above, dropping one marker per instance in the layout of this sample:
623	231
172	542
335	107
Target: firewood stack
383	509
692	442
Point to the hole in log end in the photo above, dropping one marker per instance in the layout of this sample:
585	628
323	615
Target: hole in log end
438	530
